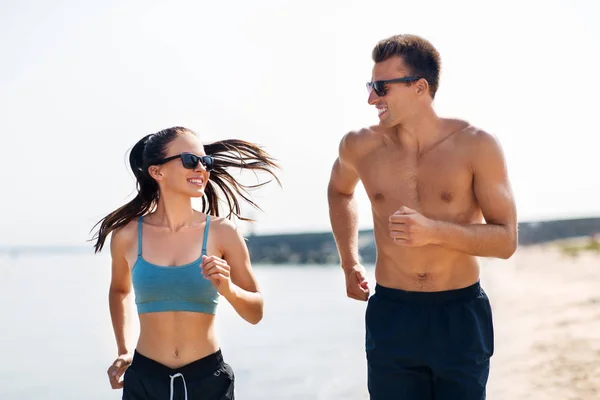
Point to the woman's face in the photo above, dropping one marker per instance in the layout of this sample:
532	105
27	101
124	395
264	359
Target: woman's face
174	177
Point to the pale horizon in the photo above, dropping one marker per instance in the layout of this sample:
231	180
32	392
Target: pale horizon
82	83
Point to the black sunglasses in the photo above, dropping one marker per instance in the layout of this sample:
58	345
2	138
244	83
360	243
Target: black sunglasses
379	86
190	161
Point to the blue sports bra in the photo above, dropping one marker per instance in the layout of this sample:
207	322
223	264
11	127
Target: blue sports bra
180	288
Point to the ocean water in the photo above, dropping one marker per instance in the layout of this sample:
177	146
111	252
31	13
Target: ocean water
56	339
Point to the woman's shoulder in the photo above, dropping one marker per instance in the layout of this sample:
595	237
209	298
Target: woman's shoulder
126	236
225	230
222	224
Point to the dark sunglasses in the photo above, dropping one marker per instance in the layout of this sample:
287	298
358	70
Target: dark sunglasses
379	86
190	161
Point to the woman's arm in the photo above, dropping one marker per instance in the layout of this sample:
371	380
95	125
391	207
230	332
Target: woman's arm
120	289
232	275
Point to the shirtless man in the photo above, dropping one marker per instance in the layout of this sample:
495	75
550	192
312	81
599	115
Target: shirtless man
432	182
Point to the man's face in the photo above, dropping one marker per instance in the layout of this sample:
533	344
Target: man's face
400	99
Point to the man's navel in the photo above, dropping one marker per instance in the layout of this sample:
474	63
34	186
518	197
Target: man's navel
446	196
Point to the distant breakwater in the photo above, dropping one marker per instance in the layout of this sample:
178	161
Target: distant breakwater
319	248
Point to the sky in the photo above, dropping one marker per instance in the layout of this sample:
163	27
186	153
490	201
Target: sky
81	82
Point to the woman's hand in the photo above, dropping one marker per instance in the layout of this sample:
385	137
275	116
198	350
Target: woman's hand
218	272
117	369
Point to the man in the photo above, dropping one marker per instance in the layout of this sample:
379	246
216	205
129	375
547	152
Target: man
431	182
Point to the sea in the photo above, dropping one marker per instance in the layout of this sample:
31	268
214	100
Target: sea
56	338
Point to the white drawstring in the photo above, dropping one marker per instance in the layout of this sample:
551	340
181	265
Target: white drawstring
184	385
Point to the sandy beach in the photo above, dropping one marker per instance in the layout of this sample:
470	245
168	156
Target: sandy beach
547	316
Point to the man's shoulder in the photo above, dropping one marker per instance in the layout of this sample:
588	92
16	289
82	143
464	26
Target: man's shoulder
362	134
479	144
474	136
358	139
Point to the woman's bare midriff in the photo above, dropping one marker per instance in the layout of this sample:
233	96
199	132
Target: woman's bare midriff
176	338
425	269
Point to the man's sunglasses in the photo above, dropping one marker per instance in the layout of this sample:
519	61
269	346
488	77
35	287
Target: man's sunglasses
379	86
190	161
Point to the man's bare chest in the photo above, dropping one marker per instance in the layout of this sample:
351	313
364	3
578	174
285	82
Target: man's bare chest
438	186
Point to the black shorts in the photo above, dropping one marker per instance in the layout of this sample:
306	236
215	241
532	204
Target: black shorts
209	378
429	345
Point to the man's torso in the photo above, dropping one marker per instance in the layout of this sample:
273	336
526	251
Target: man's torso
437	184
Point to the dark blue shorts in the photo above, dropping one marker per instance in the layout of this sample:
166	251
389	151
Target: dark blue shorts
429	345
208	378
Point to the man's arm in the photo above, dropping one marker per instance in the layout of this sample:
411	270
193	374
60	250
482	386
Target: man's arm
498	237
343	210
343	214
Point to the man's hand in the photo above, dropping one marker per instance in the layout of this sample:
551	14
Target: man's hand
409	228
357	286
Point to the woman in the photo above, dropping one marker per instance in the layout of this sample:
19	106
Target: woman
179	262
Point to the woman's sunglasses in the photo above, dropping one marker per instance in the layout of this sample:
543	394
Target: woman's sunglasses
190	161
379	86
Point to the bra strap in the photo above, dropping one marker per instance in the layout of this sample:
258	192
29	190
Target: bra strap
140	236
205	235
